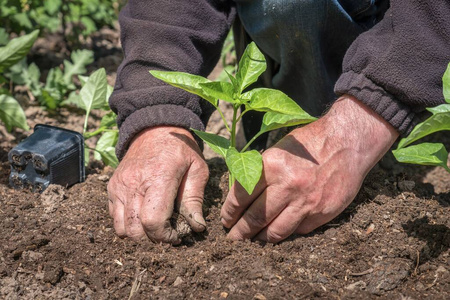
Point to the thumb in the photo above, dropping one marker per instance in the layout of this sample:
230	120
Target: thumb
191	192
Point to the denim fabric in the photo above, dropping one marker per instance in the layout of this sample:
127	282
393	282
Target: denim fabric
305	42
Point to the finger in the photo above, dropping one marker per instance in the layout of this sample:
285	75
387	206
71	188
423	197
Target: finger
190	195
314	221
118	216
133	224
283	225
238	200
111	207
111	198
331	205
157	208
116	210
263	210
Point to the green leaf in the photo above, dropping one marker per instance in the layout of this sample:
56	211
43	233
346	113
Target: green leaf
109	157
16	49
86	155
49	98
226	75
274	120
80	59
440	120
12	114
72	99
83	79
233	79
187	82
4	37
431	154
443	108
109	91
23	20
15	72
217	143
54	79
93	93
32	79
263	99
446	84
108	120
108	139
251	66
219	90
245	167
89	25
52	6
22	74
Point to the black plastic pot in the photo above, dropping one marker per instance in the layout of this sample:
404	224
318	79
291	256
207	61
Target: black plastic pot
50	155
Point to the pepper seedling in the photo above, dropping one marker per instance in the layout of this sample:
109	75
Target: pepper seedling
280	111
432	154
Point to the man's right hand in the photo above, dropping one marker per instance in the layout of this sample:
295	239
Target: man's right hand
163	168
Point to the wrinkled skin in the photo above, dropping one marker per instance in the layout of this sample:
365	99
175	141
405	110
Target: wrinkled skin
163	168
309	178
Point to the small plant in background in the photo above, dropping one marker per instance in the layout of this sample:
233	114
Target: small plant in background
59	88
228	58
280	111
11	113
432	154
83	16
94	94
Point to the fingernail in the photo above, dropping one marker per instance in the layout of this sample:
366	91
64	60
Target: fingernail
199	219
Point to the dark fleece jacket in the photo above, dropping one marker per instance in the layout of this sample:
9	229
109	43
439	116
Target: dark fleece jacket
395	68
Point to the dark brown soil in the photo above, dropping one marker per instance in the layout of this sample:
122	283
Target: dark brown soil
391	243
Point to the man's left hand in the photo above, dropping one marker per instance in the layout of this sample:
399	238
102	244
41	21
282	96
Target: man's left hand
311	175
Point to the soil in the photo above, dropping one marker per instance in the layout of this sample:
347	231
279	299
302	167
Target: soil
392	242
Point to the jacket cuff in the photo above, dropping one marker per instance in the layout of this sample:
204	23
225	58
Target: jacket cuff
383	103
157	115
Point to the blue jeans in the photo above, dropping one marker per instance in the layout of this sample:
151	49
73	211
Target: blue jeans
304	42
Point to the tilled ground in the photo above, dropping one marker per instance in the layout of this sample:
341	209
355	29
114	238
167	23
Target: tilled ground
392	242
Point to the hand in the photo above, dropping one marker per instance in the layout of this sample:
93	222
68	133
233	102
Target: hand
163	167
311	175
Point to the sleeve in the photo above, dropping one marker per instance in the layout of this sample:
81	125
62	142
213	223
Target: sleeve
176	35
396	67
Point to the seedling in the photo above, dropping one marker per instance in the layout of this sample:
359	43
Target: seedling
280	111
433	154
94	95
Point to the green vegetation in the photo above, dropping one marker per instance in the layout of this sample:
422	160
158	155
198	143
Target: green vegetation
79	18
11	113
280	111
82	16
433	154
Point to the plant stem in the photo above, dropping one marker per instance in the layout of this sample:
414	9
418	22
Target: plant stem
88	135
85	122
240	116
223	119
252	140
233	128
233	140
